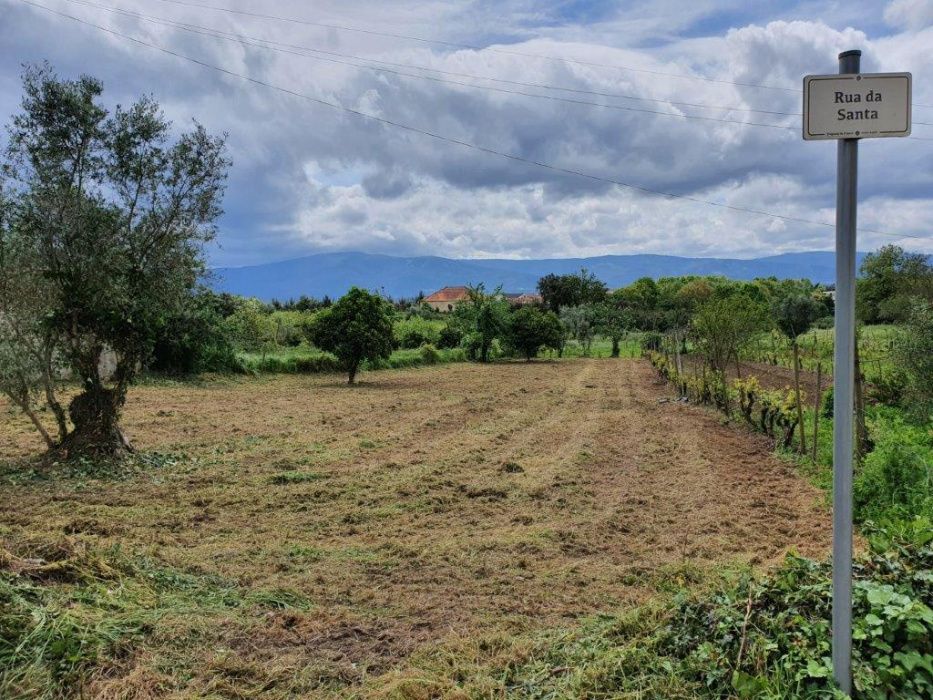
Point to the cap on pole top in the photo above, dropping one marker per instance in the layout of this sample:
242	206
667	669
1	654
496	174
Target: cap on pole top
852	52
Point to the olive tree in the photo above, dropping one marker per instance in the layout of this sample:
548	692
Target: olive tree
580	324
357	327
614	320
28	347
111	213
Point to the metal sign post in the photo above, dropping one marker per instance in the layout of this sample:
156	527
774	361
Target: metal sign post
848	107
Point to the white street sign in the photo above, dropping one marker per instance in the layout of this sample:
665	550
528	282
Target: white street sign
856	105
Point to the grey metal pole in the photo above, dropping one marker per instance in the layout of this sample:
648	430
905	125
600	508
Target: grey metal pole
843	396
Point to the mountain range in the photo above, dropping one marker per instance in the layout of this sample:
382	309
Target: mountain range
333	274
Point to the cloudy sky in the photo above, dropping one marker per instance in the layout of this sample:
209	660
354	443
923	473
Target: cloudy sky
311	178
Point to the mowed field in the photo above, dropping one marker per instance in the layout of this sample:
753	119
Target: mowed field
363	528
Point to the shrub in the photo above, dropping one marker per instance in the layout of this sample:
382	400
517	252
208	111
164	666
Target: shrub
897	476
429	354
411	333
914	353
194	340
771	639
531	328
450	336
291	328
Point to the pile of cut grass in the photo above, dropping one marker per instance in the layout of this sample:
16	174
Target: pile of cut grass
73	617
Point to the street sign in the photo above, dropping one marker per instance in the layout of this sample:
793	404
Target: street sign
848	107
856	105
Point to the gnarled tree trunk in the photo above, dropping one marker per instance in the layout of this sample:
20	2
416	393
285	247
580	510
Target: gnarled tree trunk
95	414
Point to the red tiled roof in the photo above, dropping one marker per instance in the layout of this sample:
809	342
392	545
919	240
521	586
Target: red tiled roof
449	294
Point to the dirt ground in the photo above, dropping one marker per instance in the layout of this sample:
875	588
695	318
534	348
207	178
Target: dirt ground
423	505
771	376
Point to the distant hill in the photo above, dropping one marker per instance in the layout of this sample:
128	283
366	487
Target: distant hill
334	273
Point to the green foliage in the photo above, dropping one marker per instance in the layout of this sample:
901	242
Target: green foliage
770	639
196	339
302	361
252	328
416	331
643	300
743	636
358	327
531	328
429	354
897	475
559	291
291	327
914	355
483	319
580	323
723	327
112	211
888	282
794	315
614	320
450	336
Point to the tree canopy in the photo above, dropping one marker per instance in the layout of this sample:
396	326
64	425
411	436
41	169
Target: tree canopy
111	212
531	328
357	327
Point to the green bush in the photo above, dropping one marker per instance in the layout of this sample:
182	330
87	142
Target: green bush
195	339
749	637
412	333
897	476
293	364
771	639
450	336
429	354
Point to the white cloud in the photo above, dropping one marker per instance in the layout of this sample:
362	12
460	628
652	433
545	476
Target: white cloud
909	14
309	178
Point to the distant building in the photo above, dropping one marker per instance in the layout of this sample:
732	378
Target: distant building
447	299
524	299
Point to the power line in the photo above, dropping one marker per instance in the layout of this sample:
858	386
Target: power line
474	47
248	41
543	86
282	47
455	141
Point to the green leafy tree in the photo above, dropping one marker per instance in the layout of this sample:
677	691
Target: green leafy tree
642	298
484	318
559	291
357	327
195	339
531	328
888	280
580	323
722	327
29	348
252	328
614	320
794	315
111	210
914	353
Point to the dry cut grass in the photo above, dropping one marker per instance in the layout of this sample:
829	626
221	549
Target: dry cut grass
360	528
